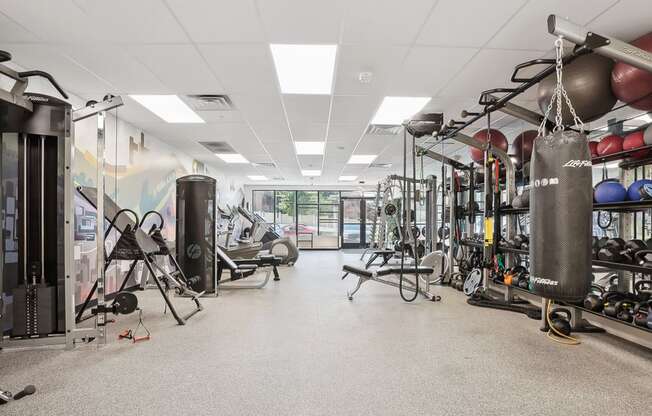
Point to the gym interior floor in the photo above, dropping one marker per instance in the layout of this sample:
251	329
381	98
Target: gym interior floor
300	347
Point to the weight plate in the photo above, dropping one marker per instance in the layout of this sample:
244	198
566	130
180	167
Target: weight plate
472	282
390	209
125	303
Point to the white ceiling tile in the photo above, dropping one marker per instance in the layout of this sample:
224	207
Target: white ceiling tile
374	145
179	67
384	21
348	109
308	131
637	14
219	20
339	151
346	132
381	60
302	21
259	107
427	69
52	21
270	132
11	31
451	25
307	108
242	68
528	28
113	64
310	162
490	68
128	21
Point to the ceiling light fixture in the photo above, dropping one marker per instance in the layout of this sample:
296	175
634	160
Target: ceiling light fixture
304	69
232	157
347	178
170	108
309	148
310	172
394	110
361	159
257	177
645	118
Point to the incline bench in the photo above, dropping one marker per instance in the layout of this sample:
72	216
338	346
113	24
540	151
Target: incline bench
380	275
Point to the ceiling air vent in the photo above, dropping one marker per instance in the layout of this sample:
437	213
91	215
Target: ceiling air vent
263	164
381	165
210	102
278	178
382	130
218	147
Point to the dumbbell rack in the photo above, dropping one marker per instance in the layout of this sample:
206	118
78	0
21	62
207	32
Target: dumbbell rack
626	330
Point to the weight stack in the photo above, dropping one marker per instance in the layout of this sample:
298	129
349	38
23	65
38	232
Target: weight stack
561	215
196	229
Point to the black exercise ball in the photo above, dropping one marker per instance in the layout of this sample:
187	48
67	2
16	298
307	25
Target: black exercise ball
587	81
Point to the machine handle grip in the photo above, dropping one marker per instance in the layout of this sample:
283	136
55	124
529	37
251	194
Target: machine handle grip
43	74
27	391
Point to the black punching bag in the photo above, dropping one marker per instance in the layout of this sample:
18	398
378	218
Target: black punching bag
561	216
196	200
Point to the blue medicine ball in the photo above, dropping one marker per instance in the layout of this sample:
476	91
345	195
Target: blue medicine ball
633	192
609	190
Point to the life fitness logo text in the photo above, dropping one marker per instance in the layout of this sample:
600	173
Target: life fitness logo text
578	164
546	282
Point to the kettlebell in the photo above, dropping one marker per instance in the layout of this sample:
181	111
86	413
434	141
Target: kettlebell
644	258
612	249
559	322
643	290
593	301
642	314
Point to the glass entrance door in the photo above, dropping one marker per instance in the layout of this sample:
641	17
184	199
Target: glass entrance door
352	223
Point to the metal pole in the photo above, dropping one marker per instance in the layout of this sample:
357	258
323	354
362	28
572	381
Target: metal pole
600	44
99	230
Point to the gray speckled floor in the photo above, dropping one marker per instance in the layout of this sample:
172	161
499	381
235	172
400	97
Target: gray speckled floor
299	347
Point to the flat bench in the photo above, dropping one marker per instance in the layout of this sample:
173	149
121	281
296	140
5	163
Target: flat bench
379	275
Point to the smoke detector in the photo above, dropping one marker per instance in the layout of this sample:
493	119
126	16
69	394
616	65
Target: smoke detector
365	77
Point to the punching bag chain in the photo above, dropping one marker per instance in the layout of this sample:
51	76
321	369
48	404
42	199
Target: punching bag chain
559	95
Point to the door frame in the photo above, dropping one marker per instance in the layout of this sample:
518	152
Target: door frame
363	222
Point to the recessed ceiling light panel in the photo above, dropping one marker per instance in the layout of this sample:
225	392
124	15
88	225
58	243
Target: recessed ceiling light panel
309	148
232	157
304	69
394	110
361	159
310	172
170	108
257	177
346	178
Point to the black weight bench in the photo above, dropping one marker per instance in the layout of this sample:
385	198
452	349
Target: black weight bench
380	275
241	269
385	254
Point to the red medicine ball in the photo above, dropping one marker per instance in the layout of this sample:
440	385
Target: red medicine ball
593	147
633	85
522	146
634	140
610	144
497	140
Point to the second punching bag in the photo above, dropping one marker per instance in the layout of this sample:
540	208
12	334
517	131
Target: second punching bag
561	215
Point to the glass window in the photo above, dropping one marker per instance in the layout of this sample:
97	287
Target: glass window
307	197
285	208
329	197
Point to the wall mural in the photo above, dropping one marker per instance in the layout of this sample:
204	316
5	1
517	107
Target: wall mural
140	174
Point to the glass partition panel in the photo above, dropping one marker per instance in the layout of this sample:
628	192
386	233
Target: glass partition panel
263	205
307	227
